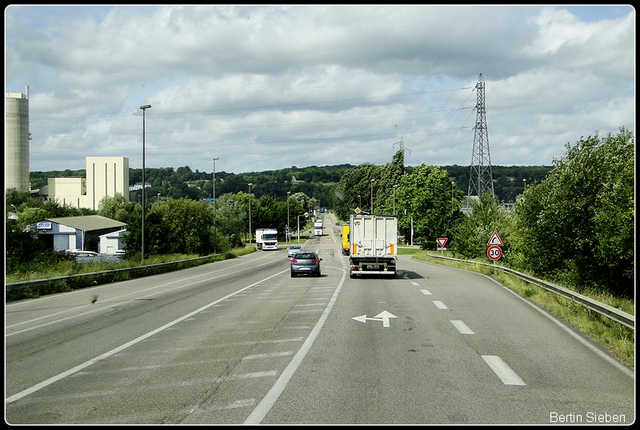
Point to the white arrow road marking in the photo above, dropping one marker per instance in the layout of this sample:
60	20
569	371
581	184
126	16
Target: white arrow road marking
382	316
504	372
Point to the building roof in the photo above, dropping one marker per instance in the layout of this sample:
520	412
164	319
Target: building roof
88	222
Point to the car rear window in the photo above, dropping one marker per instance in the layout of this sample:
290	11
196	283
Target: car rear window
302	256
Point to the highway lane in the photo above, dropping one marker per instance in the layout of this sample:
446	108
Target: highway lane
241	342
461	349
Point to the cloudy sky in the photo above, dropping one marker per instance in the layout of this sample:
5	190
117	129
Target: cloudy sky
266	87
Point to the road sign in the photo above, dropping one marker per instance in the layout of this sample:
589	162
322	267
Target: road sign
357	210
442	241
494	252
382	316
495	240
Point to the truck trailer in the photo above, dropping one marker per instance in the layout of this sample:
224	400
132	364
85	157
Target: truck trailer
318	228
373	241
267	239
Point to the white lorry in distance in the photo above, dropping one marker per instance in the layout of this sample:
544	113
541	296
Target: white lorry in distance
267	239
373	241
317	228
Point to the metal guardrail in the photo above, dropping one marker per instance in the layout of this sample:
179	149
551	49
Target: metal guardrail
112	273
610	312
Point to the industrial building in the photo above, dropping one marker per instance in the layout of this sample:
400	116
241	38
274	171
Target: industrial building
105	176
16	147
83	233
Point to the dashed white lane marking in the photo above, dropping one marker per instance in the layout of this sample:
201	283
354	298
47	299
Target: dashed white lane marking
440	305
426	292
462	327
271	355
415	283
504	372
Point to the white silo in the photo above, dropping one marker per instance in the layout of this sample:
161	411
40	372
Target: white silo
16	149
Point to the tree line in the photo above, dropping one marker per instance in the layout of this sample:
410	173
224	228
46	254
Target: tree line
316	182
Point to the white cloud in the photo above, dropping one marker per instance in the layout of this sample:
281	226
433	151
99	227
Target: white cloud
266	87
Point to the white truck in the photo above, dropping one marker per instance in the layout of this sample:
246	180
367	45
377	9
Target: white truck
317	228
373	246
267	239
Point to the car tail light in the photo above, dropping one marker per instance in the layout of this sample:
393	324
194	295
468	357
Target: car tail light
315	261
294	261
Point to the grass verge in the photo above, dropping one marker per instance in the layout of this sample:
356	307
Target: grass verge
615	337
102	272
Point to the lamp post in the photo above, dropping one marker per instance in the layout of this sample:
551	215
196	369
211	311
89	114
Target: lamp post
286	234
144	110
372	181
395	187
215	219
250	232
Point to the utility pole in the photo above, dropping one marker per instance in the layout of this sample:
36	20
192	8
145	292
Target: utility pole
481	177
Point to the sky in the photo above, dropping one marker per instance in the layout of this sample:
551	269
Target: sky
271	87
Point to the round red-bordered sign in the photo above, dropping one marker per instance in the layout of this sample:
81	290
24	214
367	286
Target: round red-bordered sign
494	252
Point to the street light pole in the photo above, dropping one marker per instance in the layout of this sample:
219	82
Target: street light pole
215	219
394	198
286	234
250	232
144	110
372	181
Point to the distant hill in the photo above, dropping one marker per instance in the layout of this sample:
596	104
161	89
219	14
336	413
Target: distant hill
314	181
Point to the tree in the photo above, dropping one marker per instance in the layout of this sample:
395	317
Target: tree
475	230
426	195
354	189
174	226
585	209
391	176
115	207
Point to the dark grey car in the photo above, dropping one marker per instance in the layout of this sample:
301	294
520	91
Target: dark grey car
305	262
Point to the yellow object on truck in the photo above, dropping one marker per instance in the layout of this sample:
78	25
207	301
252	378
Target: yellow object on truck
345	239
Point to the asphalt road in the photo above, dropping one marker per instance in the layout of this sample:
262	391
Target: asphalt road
240	341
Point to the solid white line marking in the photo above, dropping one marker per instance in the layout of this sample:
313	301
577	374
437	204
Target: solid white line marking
114	351
440	305
504	372
272	396
426	292
462	327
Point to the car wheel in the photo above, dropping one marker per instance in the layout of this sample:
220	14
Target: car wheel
293	275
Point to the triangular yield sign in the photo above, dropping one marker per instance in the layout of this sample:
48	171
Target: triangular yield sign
495	240
442	241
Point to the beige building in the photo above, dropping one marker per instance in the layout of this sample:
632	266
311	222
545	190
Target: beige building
105	176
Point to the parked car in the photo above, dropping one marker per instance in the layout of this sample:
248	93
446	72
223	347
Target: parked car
305	262
293	250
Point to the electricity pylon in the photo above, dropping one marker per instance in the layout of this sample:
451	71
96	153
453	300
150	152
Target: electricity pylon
481	177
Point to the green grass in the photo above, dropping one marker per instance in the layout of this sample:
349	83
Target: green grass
617	338
68	268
